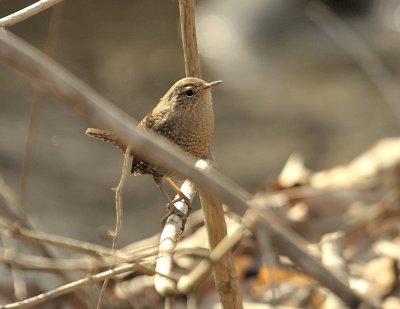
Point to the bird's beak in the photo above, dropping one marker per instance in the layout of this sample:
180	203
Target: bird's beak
212	84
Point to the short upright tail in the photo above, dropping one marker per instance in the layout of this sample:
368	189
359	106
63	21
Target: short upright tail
106	136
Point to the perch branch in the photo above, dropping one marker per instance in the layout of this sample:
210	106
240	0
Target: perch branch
224	272
27	12
173	226
82	99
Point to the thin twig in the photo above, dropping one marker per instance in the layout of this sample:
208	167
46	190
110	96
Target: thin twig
67	288
118	199
82	99
118	213
27	12
60	241
88	264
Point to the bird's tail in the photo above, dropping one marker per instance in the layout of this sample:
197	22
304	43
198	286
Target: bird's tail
106	136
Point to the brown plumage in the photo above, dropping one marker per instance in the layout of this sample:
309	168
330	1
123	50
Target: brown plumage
184	115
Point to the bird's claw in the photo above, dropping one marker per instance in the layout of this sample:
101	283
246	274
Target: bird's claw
172	210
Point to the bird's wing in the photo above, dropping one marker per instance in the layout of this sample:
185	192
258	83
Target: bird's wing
159	122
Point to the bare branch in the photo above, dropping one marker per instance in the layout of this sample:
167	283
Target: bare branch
88	264
67	288
61	241
173	226
188	282
27	12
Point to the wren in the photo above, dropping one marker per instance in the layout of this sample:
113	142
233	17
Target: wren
184	116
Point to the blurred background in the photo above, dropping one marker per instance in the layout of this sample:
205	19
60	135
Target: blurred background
315	78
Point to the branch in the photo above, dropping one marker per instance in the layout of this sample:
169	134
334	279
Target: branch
67	288
173	226
60	241
88	264
84	100
118	212
189	282
225	277
27	12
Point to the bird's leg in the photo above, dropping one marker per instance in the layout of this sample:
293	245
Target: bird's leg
170	202
164	193
181	195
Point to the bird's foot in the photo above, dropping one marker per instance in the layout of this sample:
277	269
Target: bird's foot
173	210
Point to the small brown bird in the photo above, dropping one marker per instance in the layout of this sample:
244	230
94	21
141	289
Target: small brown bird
185	116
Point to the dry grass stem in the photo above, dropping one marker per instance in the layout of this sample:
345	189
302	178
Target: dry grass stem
189	40
224	272
27	12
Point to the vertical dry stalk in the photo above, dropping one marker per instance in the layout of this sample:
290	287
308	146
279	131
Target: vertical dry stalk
224	273
118	212
188	28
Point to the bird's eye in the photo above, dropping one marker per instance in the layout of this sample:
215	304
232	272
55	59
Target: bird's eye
189	92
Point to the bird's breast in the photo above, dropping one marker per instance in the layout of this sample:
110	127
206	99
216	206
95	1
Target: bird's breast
194	130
